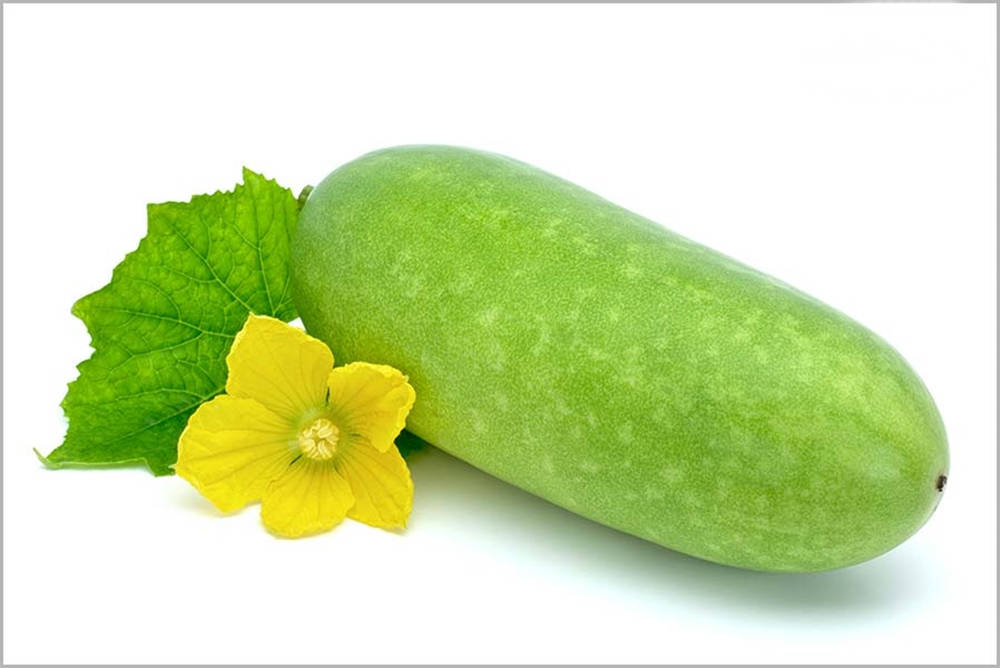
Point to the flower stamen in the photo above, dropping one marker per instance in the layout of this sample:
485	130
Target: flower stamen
319	440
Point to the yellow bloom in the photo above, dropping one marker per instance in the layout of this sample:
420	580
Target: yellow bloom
313	443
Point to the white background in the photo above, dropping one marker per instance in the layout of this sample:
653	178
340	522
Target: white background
847	149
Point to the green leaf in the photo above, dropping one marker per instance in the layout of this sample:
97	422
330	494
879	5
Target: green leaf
409	444
162	327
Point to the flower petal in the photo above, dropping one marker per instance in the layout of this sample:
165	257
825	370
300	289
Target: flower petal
308	498
280	366
381	483
232	449
372	401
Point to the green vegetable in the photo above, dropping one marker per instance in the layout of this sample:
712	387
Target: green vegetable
163	326
594	358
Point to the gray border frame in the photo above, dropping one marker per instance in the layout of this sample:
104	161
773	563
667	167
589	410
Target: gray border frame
437	2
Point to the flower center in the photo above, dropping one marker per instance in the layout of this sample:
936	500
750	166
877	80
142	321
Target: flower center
319	440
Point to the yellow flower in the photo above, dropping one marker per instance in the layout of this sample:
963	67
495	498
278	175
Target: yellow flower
313	443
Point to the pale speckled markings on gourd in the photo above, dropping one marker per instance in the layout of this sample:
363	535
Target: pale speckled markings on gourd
648	383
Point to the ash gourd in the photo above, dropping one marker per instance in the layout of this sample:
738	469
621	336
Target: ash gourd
598	360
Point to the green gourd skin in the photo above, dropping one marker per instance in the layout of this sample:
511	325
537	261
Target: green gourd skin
598	360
